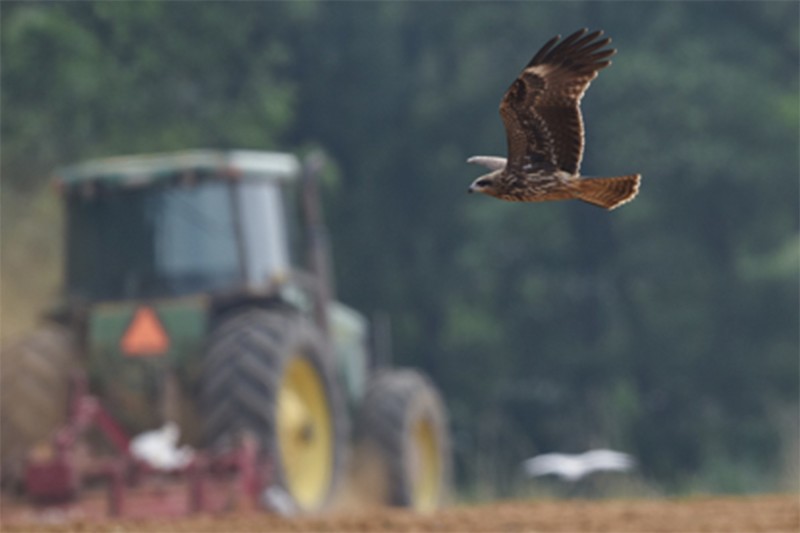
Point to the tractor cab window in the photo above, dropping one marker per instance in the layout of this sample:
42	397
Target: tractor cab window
263	231
195	243
173	240
159	241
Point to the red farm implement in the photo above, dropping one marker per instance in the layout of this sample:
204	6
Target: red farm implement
60	481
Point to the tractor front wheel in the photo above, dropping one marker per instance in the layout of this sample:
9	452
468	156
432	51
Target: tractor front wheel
403	434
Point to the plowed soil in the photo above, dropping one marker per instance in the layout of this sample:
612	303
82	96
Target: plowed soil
773	513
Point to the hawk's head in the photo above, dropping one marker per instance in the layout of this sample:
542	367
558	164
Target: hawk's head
486	184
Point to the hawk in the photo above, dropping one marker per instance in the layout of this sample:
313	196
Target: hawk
544	129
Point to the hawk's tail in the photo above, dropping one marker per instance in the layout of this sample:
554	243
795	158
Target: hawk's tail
608	192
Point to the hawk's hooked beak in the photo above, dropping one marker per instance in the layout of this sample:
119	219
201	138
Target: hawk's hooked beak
483	184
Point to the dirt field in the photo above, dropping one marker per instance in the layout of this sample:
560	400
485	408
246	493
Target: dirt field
774	513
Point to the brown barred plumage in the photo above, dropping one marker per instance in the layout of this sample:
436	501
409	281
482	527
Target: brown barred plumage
608	192
544	129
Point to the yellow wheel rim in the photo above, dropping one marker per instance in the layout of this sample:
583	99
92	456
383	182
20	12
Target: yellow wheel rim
426	466
305	435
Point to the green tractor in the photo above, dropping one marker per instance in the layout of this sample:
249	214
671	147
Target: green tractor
184	302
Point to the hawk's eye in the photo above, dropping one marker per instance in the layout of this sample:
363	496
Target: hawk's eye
484	183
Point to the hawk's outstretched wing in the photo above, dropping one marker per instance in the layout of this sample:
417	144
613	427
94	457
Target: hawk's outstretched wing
541	109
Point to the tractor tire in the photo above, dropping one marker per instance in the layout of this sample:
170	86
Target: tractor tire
266	372
403	434
34	393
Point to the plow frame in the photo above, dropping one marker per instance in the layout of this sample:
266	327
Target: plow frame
57	480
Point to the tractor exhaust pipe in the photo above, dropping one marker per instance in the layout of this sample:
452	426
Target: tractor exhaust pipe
317	239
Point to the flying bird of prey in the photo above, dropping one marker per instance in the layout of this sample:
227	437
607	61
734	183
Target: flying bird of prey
575	467
544	129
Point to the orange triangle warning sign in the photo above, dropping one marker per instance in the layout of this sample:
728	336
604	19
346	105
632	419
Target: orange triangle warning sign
145	335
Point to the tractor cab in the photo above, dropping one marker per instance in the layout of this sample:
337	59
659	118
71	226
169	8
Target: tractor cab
164	226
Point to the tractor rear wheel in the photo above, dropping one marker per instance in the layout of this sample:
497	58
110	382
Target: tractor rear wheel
34	392
403	433
267	372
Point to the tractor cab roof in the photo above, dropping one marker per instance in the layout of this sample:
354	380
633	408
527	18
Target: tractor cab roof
144	170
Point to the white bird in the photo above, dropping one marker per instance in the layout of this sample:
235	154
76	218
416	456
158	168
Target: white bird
278	500
574	467
158	448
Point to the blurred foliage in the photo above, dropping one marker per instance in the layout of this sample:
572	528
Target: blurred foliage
668	329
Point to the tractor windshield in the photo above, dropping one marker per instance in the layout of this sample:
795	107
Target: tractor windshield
172	240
